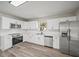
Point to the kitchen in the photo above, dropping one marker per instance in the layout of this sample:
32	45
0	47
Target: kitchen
15	30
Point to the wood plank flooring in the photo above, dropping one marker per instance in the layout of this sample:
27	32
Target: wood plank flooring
25	49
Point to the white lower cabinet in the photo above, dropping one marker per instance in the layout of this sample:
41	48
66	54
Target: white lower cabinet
6	42
40	39
33	38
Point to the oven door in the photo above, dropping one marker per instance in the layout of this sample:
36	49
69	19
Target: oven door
16	40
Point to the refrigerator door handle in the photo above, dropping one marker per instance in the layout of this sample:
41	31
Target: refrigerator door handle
68	34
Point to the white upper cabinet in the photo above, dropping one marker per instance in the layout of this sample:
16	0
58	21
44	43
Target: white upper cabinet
6	22
33	25
29	25
24	25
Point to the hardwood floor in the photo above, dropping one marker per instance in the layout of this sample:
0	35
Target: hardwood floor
25	49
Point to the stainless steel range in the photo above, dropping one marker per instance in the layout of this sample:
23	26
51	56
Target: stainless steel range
16	38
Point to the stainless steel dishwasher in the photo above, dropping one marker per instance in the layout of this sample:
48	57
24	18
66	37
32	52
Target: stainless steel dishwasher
48	41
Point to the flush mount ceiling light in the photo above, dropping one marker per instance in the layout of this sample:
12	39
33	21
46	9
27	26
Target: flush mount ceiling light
16	3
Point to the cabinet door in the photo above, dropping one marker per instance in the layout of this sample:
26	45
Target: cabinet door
19	24
34	25
40	39
24	25
25	37
5	23
7	42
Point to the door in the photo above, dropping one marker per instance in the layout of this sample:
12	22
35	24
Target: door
64	37
74	40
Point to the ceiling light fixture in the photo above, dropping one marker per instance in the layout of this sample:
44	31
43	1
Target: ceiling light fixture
16	3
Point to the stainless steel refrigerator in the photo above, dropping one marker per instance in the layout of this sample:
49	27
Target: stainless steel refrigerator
69	37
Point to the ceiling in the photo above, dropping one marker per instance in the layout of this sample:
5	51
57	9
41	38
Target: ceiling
38	9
